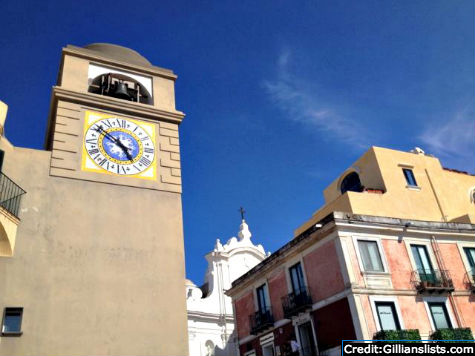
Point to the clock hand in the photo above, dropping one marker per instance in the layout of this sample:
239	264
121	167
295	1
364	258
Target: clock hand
115	140
125	149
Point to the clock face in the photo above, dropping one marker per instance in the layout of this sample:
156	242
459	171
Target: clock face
119	146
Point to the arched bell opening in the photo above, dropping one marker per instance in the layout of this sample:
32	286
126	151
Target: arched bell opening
120	86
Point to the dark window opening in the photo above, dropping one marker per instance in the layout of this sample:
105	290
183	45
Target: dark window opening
2	154
11	325
440	316
387	316
410	179
470	253
423	263
296	278
351	183
262	299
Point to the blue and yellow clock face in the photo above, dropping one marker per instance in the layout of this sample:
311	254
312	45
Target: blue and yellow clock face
119	146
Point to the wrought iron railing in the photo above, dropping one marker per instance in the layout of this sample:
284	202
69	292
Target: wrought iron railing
470	279
296	302
260	321
431	281
10	195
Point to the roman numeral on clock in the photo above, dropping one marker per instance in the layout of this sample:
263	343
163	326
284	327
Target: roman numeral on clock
148	150
91	141
145	161
121	123
93	151
101	163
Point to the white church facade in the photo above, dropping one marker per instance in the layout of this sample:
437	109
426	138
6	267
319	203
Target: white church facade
210	310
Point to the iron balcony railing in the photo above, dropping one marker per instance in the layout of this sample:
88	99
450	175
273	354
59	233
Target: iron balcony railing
432	281
470	280
10	195
296	302
260	321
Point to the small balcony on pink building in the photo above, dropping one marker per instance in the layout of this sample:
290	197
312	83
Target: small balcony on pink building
261	321
469	280
432	281
297	302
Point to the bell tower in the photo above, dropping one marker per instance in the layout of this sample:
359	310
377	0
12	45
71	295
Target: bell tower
98	263
112	86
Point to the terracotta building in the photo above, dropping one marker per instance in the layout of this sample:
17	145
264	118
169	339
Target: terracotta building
393	248
92	258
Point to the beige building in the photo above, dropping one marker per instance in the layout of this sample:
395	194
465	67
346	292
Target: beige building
91	261
407	185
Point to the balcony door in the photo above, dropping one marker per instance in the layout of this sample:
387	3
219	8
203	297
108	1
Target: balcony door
262	299
423	264
296	279
470	253
307	343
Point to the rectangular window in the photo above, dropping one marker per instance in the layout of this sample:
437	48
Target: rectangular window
262	298
12	321
2	154
439	315
470	253
410	179
370	256
423	264
387	316
296	278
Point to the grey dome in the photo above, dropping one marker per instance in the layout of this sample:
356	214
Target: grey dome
119	53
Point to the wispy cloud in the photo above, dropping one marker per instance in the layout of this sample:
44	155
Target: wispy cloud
453	140
291	94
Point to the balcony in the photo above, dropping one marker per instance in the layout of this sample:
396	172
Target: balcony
10	195
296	302
432	281
261	321
469	280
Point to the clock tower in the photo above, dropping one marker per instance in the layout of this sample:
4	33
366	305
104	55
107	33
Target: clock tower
113	119
98	263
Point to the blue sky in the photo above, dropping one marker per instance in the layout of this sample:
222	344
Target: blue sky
280	96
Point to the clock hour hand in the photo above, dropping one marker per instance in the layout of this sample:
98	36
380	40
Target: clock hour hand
125	149
115	140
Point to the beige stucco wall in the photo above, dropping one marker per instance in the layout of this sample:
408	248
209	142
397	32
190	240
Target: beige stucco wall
98	268
98	259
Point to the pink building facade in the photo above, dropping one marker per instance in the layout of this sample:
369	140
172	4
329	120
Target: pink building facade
349	277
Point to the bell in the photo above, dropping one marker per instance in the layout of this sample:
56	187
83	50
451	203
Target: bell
120	91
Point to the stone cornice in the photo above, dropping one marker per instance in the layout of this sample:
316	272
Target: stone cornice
123	106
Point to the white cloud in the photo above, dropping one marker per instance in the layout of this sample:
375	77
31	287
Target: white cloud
453	140
291	94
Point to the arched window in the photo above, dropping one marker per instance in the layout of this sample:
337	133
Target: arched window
351	183
472	195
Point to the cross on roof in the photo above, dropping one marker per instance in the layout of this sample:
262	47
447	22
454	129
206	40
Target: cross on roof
242	211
